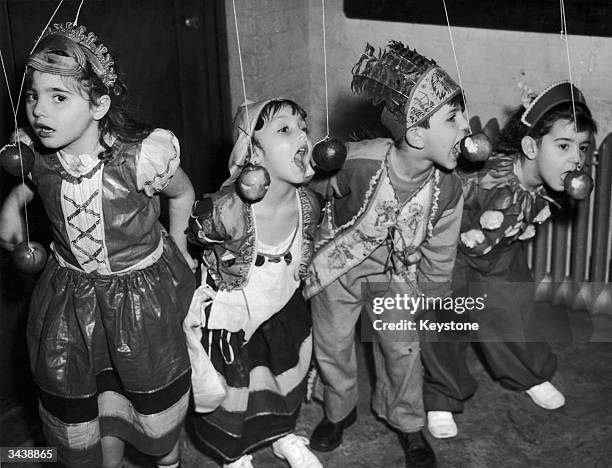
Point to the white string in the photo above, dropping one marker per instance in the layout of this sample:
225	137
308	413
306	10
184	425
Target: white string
246	107
15	108
450	33
76	18
325	70
569	66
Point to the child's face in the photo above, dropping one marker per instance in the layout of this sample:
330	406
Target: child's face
560	151
447	126
59	114
285	147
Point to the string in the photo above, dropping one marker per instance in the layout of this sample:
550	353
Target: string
569	66
246	107
14	109
450	33
325	70
76	19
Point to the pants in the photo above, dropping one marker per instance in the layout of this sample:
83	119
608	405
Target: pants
398	392
508	340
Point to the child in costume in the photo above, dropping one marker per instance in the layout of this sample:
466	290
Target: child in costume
105	339
257	330
504	201
392	219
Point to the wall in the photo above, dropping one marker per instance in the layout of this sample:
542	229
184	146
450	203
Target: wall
282	49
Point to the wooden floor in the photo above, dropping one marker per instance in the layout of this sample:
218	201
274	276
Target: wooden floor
498	429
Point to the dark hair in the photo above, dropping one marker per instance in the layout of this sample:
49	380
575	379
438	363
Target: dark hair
456	101
271	109
513	132
118	121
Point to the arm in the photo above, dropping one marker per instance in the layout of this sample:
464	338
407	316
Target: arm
180	199
12	222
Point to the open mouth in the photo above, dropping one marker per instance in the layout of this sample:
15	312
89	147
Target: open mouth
43	130
300	157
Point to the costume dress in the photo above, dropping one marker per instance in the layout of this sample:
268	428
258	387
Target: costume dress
257	331
492	263
395	236
106	345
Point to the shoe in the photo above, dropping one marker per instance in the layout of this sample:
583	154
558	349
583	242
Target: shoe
328	435
546	396
243	462
441	424
419	453
294	450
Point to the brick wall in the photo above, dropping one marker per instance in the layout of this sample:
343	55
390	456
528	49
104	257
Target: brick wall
282	49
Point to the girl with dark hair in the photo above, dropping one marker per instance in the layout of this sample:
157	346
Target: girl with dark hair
251	322
106	345
539	146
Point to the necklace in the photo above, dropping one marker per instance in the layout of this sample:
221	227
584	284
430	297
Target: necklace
276	258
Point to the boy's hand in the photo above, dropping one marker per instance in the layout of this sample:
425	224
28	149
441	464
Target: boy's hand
11	231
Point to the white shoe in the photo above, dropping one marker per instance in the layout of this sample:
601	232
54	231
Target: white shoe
441	424
294	450
546	396
243	462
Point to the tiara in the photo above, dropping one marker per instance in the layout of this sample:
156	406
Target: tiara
100	59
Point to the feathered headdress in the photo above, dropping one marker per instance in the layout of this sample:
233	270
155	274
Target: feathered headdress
411	86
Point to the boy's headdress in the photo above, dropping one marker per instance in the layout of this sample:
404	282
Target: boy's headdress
65	50
552	96
411	86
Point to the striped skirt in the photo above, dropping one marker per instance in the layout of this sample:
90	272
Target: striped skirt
265	381
109	357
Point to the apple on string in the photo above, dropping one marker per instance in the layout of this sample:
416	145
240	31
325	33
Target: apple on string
29	257
253	182
12	155
578	185
476	147
329	154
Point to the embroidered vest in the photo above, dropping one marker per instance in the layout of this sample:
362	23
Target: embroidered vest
381	217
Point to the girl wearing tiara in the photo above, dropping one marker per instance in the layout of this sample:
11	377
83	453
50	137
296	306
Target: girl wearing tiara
256	322
105	340
539	146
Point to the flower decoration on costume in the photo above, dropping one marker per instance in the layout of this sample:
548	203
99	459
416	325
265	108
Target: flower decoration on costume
513	230
472	238
528	233
491	219
543	215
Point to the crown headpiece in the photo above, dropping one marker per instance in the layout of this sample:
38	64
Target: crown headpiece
557	93
75	48
411	86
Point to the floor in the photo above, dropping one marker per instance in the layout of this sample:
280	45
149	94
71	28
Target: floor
498	429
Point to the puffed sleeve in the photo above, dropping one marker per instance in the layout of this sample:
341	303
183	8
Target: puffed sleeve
159	158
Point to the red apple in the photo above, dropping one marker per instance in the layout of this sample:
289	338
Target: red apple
253	182
329	154
10	159
476	147
578	185
29	257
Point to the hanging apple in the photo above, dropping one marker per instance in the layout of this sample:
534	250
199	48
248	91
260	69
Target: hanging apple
253	182
10	158
29	257
329	154
476	147
578	185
